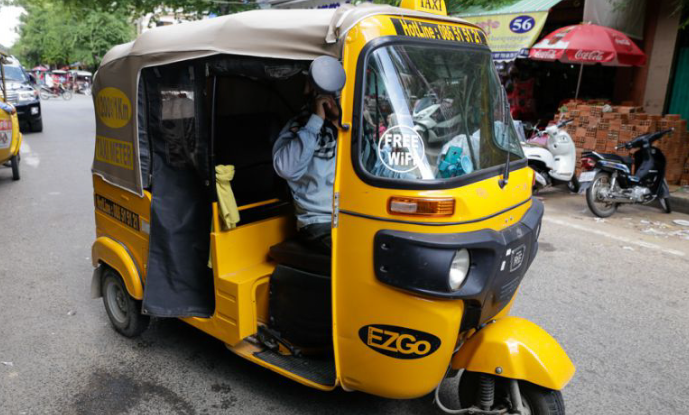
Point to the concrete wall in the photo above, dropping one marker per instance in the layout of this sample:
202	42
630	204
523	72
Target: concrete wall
662	51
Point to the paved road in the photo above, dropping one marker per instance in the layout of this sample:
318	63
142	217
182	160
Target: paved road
613	293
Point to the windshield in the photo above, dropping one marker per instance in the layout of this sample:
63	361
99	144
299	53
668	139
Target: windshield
433	113
14	73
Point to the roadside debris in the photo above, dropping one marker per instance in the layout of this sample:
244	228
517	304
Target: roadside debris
8	363
655	232
599	220
627	248
681	222
71	312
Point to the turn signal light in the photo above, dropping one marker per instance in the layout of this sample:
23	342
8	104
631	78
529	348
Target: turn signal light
414	206
587	163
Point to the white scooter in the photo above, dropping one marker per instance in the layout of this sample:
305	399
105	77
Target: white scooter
555	162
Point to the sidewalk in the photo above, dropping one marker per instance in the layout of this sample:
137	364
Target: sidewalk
679	198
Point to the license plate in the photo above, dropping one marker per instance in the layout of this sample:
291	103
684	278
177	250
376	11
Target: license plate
587	176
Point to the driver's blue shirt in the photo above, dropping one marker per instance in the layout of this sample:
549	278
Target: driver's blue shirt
310	177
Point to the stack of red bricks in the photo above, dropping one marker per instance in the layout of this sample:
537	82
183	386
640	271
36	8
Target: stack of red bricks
597	128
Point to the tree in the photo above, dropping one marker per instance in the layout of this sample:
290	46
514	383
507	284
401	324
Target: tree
51	34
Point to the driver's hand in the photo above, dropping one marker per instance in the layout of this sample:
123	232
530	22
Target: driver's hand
322	103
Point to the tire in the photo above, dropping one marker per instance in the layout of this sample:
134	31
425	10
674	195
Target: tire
665	204
600	209
14	161
536	400
45	95
66	95
573	185
37	127
122	309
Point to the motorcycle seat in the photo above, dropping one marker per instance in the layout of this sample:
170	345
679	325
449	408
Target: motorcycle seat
296	254
620	159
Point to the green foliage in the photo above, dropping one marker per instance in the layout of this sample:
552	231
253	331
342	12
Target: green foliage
52	34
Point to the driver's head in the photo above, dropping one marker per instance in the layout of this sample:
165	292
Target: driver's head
332	109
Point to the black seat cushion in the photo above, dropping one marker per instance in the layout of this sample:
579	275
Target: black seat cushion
620	159
296	254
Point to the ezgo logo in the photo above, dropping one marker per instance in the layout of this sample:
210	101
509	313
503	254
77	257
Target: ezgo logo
398	342
522	24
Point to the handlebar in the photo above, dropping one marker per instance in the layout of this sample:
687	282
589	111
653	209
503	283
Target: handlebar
564	122
650	137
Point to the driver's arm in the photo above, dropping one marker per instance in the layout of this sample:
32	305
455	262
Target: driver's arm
292	152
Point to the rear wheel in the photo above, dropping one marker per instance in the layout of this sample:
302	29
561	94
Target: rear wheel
536	400
122	309
45	94
601	184
66	95
665	204
14	161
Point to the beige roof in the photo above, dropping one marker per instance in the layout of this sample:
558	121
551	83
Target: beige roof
287	34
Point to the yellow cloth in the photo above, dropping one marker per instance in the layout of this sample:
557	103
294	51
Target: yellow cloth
229	214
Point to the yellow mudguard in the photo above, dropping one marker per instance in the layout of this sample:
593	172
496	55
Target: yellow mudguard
516	348
108	251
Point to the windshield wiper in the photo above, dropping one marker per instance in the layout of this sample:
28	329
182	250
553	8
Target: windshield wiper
505	139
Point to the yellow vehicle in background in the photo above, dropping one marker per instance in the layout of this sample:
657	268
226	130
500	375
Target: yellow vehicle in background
10	137
433	225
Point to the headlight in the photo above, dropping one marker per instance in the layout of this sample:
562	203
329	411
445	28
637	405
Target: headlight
459	269
26	96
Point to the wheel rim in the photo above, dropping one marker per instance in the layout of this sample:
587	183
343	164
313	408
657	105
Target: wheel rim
601	183
117	302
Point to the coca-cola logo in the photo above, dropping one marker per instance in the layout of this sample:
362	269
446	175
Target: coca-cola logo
622	41
544	54
589	55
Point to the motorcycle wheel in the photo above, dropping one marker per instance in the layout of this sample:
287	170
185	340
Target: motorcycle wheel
600	209
45	94
665	204
573	185
536	400
66	95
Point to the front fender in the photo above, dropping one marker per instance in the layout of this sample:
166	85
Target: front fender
108	251
517	349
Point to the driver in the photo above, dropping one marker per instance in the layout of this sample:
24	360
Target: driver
304	155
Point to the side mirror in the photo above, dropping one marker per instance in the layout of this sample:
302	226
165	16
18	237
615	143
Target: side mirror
327	75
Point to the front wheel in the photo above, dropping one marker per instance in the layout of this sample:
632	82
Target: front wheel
122	309
601	184
14	161
45	94
536	400
66	95
573	185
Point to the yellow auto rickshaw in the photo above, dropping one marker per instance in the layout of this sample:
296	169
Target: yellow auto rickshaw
433	220
10	137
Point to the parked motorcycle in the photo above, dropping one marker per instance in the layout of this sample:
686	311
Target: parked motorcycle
553	163
47	93
608	178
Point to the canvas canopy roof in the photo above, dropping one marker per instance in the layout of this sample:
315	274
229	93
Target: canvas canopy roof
279	34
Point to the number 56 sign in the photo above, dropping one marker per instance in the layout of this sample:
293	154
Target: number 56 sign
510	34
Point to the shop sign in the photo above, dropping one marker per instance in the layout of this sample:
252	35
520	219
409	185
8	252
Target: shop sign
510	35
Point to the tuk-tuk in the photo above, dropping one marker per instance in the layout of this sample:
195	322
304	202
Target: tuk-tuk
10	137
433	221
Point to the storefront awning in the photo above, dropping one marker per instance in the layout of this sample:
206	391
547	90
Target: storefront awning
511	29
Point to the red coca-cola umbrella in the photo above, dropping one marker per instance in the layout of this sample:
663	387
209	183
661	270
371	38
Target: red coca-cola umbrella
588	44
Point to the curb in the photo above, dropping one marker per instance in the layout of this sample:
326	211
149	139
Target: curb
679	203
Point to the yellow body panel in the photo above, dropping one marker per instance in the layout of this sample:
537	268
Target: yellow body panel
15	145
521	350
108	251
112	223
359	299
